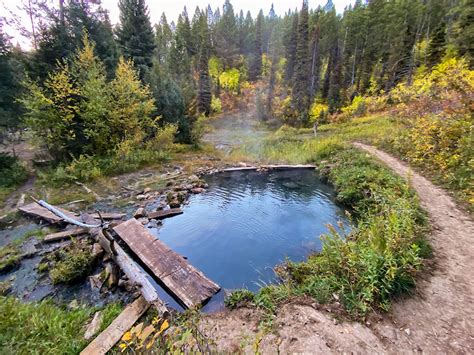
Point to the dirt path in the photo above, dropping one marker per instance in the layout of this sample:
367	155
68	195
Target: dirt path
439	318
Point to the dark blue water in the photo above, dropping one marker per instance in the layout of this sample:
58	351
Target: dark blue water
248	222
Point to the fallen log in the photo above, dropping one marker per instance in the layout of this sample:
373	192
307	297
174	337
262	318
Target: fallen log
54	237
183	280
134	273
162	214
114	332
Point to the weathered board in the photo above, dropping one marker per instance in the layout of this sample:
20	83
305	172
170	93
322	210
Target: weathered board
54	237
270	167
134	273
114	332
162	214
109	215
187	283
35	210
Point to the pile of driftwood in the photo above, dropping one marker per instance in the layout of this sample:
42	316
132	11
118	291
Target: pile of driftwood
142	258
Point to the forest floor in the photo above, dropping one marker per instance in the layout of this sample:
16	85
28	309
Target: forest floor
437	317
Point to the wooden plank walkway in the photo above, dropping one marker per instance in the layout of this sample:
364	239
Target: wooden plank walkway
34	209
162	214
187	283
113	333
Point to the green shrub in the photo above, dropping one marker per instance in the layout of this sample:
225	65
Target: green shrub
12	172
72	264
238	298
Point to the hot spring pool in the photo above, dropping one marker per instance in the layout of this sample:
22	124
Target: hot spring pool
247	222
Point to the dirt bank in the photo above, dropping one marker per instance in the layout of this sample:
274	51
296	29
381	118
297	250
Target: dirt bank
438	318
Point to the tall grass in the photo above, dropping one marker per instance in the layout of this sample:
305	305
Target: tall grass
43	328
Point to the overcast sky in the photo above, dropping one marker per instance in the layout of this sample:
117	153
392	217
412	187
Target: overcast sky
173	8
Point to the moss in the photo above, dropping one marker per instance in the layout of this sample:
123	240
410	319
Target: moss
9	258
71	264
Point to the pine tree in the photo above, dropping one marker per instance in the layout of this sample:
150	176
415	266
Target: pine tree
290	41
464	31
135	34
437	45
301	84
10	88
226	36
204	92
255	69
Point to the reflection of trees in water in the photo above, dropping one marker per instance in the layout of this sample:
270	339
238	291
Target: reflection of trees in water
285	185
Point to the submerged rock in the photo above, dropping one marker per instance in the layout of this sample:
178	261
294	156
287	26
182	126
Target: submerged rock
139	213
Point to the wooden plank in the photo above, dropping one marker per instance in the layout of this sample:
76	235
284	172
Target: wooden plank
54	237
109	215
134	272
270	167
35	210
162	214
114	332
187	283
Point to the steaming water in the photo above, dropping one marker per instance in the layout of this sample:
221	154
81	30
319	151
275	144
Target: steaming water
248	222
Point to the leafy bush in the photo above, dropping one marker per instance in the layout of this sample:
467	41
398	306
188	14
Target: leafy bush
318	112
237	298
216	104
436	112
230	80
12	172
357	107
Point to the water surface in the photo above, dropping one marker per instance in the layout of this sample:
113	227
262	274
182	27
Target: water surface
248	222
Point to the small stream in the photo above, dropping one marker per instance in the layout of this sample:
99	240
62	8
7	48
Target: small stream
248	222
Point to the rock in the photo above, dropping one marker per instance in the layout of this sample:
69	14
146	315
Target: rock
139	213
408	331
73	305
174	203
140	197
97	250
193	178
93	326
197	190
112	274
143	221
146	190
96	282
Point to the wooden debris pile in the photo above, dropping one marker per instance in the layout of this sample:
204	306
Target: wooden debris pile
140	256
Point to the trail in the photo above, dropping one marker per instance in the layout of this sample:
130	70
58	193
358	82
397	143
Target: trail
441	316
437	318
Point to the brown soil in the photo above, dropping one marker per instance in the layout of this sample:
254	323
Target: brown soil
438	318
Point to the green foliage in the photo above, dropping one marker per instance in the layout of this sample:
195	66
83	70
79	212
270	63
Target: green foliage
356	108
230	80
216	105
135	34
237	298
436	112
9	257
46	328
71	264
12	172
